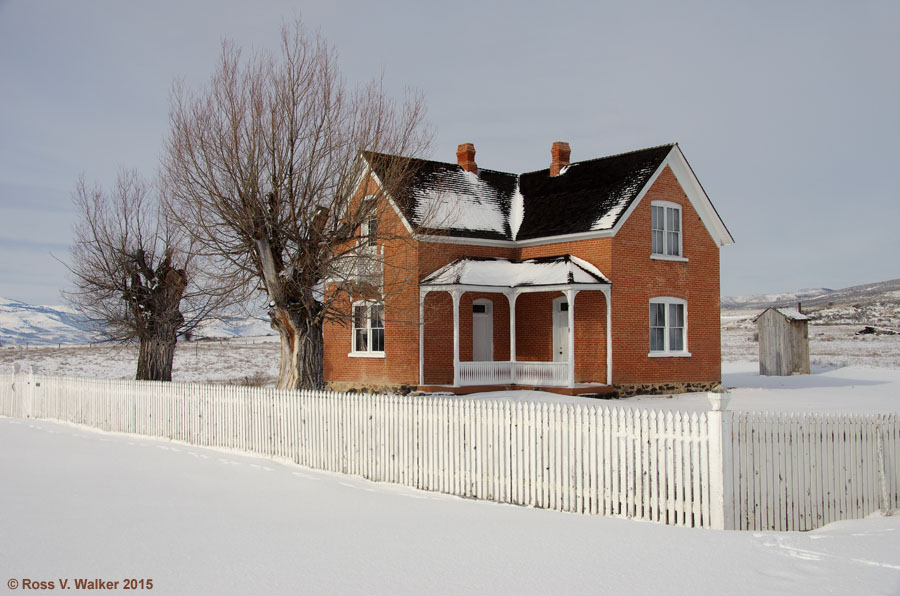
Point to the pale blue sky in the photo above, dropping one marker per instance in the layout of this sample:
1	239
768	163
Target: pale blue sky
787	111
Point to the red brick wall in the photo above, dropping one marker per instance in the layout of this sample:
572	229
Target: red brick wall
534	326
590	337
438	339
597	251
400	365
637	278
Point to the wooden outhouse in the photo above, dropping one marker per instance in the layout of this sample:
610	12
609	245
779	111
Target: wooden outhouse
783	342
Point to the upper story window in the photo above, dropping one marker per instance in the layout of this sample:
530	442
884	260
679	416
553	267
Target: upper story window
368	328
666	228
668	327
368	229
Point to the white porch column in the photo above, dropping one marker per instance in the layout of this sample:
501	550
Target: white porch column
608	294
456	294
511	297
422	294
570	298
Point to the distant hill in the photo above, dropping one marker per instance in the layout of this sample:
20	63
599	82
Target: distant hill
22	324
767	300
875	305
885	292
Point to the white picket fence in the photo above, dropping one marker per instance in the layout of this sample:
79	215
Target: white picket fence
711	469
799	472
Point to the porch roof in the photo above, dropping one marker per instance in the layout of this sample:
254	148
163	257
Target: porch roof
565	270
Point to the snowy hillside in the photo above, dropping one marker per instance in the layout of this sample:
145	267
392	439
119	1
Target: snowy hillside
765	300
232	327
26	324
22	323
885	292
869	308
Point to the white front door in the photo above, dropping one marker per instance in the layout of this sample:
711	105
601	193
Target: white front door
560	330
482	331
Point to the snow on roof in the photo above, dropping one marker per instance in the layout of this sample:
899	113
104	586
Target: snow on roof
793	314
461	201
586	196
551	271
789	313
516	211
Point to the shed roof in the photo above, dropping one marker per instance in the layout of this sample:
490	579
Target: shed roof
792	314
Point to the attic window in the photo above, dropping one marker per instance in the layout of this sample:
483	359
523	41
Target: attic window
368	229
666	228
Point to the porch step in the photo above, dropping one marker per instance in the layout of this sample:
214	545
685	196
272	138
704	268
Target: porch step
600	391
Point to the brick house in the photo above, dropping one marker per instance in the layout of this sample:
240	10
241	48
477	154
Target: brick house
592	276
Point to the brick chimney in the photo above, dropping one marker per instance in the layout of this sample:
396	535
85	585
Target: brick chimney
465	157
560	153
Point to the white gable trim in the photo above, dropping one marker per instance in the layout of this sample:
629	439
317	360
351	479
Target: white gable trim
698	198
368	171
640	196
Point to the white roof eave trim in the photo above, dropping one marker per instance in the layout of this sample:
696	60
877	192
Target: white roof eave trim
369	171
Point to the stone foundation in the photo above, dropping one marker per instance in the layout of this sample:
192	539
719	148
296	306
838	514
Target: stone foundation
353	387
657	388
620	390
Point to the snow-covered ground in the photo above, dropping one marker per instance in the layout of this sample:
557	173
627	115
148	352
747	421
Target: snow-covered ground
833	342
256	358
252	360
829	389
84	504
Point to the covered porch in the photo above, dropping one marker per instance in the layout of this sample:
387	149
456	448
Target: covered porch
514	324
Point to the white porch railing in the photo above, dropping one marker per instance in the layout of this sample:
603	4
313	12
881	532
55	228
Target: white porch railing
509	373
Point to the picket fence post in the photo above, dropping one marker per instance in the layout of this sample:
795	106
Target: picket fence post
29	402
13	408
721	489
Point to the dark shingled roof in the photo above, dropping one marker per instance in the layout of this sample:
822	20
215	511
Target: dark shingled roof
588	195
444	199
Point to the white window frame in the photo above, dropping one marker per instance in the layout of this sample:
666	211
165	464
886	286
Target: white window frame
366	239
667	352
665	255
367	352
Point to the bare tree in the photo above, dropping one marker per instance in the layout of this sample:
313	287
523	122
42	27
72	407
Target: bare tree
266	164
134	272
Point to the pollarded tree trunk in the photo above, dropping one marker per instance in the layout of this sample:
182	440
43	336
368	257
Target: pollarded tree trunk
301	350
157	305
155	358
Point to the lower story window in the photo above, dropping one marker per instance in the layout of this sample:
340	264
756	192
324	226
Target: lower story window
668	326
368	327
